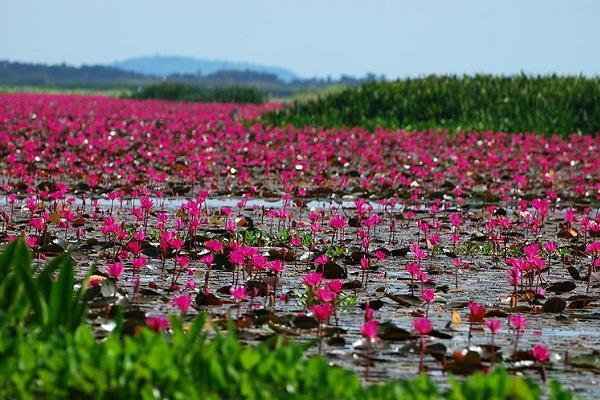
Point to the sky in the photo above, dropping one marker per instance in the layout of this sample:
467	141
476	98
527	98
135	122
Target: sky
314	37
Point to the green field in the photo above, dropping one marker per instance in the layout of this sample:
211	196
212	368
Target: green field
547	104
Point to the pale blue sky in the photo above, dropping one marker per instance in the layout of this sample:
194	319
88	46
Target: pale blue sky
327	37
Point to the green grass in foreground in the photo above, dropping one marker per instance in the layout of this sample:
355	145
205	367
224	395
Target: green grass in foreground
544	104
47	351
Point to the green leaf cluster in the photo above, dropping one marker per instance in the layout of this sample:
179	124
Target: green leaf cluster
48	300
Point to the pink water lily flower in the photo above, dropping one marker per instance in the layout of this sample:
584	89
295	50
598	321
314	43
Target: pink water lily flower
325	295
240	293
158	324
369	330
422	326
322	311
517	321
183	302
337	222
428	295
214	246
313	279
493	325
115	270
540	352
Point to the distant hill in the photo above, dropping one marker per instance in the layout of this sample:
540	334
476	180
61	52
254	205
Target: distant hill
164	66
102	76
275	82
18	73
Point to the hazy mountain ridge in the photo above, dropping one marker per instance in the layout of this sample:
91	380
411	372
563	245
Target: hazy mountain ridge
108	77
164	66
23	73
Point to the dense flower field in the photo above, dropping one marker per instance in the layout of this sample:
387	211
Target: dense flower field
396	251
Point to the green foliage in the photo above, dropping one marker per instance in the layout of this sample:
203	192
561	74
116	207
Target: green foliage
545	104
53	302
283	236
493	387
46	352
335	251
175	91
564	251
346	301
252	237
307	239
190	365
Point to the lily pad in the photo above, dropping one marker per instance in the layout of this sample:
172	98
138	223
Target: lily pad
554	305
561	287
332	270
496	313
336	341
389	331
579	301
464	364
355	284
437	351
207	299
401	252
405	300
574	272
305	322
589	361
375	304
440	335
282	329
